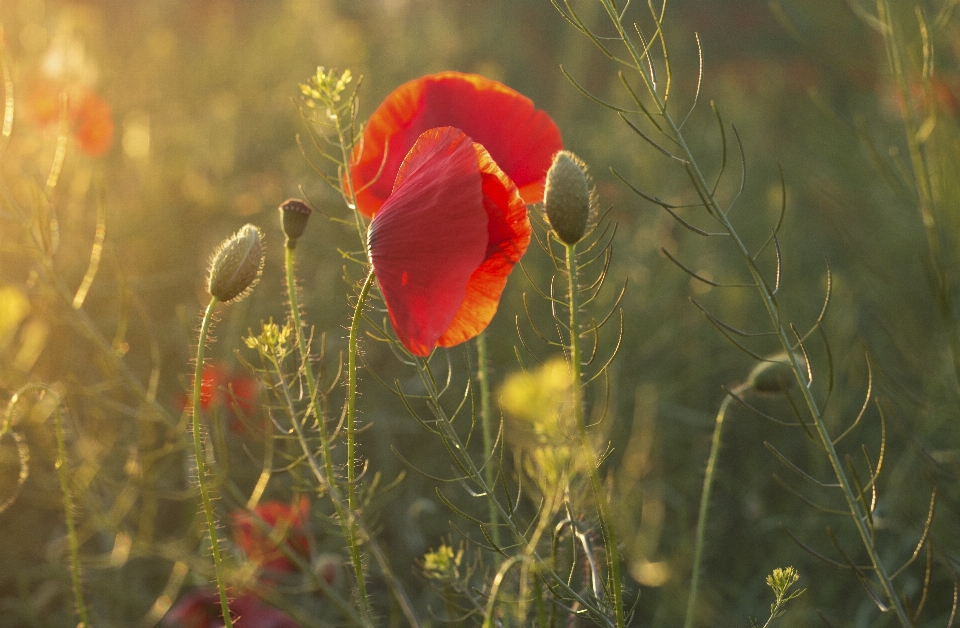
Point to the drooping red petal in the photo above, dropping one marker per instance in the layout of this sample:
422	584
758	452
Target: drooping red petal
429	237
508	230
520	138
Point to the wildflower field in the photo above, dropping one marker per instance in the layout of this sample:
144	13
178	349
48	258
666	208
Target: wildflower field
499	313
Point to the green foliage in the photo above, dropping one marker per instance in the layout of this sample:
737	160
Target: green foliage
792	168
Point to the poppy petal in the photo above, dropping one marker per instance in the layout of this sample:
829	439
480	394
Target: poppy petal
520	138
430	236
508	236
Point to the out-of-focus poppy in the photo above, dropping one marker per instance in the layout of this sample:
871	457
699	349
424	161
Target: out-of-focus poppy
520	138
201	609
94	124
287	523
89	116
218	386
445	240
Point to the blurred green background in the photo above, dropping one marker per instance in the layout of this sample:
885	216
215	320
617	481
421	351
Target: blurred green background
205	104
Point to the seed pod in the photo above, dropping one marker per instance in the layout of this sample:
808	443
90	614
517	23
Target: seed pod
235	267
294	215
566	198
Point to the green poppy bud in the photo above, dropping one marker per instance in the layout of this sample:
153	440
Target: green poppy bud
235	267
566	198
294	215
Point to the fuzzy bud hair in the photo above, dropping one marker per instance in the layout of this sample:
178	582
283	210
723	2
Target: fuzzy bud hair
567	198
235	267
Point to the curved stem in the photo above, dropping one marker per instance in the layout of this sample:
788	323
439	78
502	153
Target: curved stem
590	456
202	465
704	189
352	393
347	522
704	507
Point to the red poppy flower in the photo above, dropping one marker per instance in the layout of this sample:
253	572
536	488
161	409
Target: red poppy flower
286	520
521	139
89	116
201	609
217	386
445	240
94	124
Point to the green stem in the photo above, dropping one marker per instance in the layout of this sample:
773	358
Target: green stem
926	203
347	522
68	512
590	456
202	465
486	420
352	391
704	189
704	507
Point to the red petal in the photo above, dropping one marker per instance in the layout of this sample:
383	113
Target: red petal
429	237
508	236
521	139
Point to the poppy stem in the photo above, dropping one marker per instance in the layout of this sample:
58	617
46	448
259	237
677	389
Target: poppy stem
202	465
708	478
590	455
351	418
347	522
483	376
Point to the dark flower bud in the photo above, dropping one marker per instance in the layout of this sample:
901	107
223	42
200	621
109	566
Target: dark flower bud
235	267
294	215
566	198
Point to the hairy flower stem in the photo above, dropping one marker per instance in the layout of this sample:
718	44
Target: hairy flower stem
352	391
705	506
346	518
590	455
486	419
202	465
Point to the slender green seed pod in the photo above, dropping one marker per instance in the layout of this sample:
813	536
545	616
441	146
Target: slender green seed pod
235	267
294	215
567	197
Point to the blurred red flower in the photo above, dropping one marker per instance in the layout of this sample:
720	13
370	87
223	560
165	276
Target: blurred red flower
93	127
445	240
287	522
201	609
218	386
88	115
521	139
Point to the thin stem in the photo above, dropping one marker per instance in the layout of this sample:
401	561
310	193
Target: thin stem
202	465
483	375
590	456
704	507
352	391
923	180
68	512
346	519
857	514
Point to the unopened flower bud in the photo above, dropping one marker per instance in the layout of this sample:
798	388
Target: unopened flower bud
235	267
294	215
566	198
